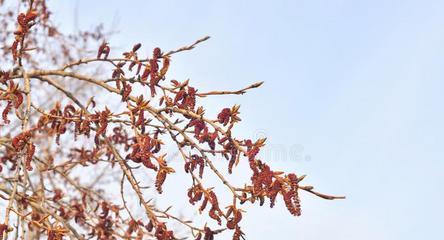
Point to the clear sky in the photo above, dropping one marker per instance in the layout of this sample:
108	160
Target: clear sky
352	97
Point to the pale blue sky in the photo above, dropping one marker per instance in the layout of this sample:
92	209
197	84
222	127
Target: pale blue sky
357	84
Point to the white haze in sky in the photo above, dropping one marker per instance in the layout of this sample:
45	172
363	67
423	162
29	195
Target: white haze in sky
352	97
